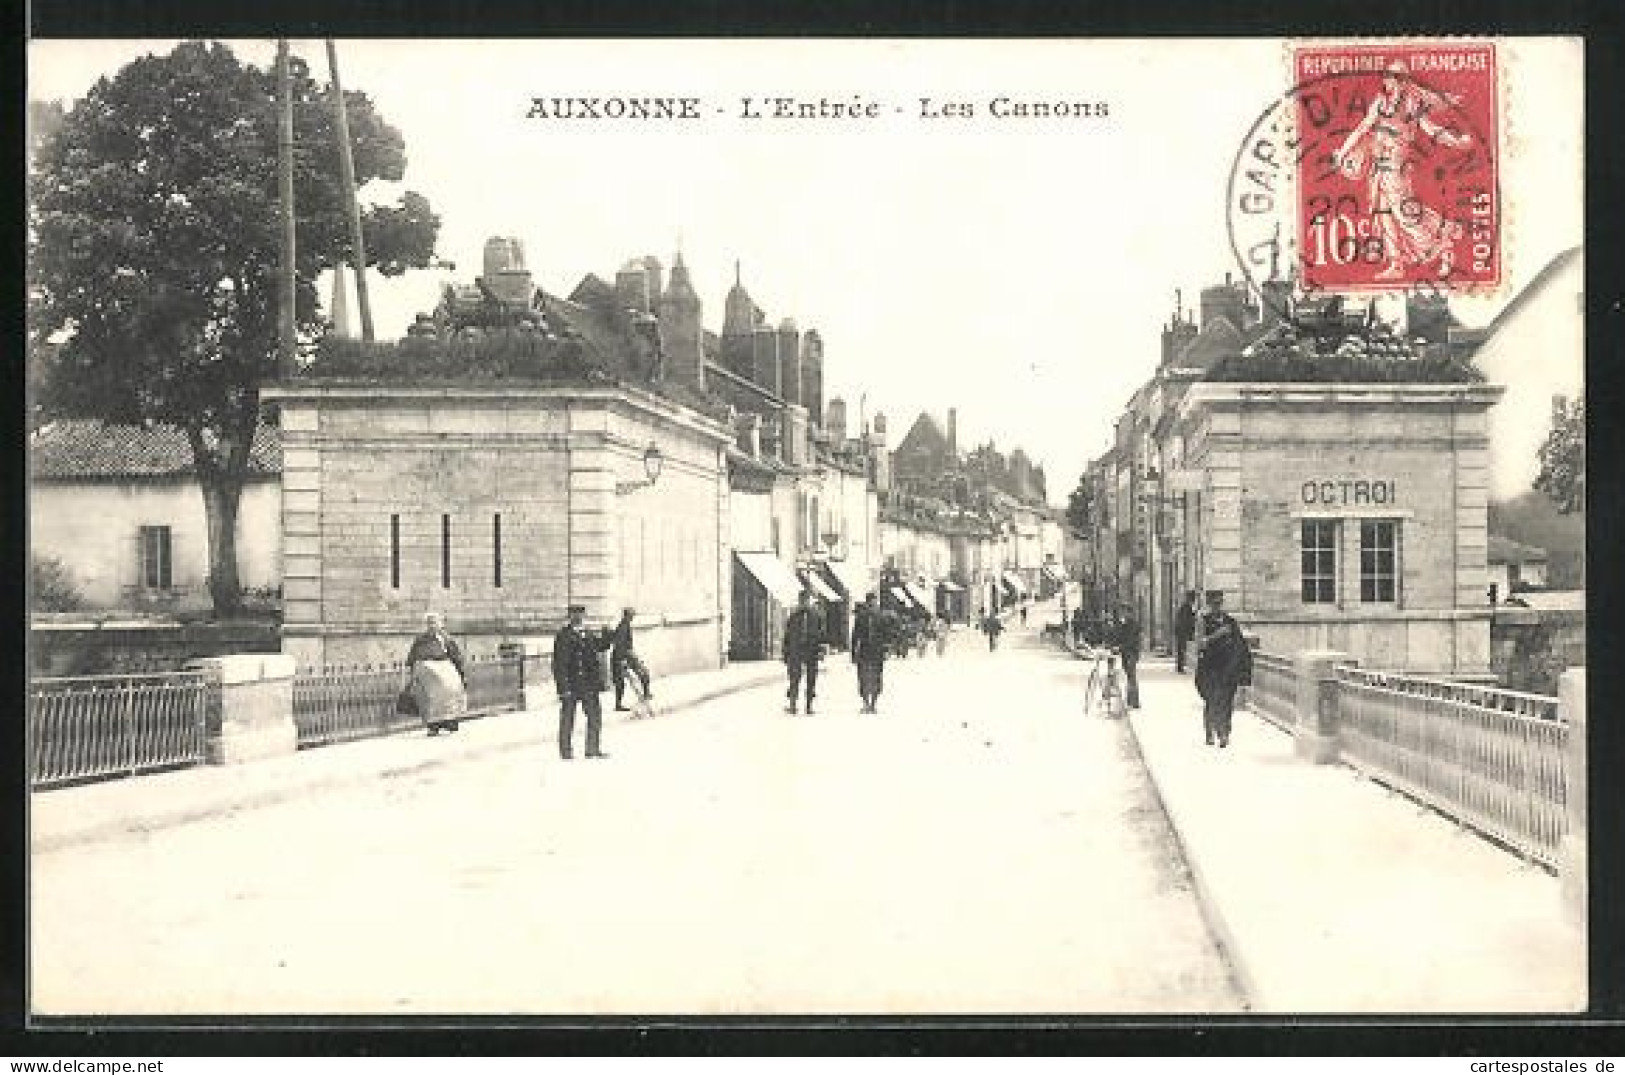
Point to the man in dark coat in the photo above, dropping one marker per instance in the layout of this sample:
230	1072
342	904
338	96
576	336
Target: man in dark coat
1223	663
1184	629
803	649
578	675
870	639
1126	637
623	659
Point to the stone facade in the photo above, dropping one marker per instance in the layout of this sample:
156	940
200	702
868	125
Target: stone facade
1274	456
498	507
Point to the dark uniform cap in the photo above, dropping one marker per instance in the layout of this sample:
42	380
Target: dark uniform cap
573	609
1211	595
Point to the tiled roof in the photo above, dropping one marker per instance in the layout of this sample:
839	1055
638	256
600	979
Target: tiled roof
87	448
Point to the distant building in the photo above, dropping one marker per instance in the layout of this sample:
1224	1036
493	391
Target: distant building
1514	567
119	506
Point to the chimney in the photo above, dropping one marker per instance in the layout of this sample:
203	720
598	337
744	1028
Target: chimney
790	378
836	422
632	287
953	434
765	360
795	435
812	373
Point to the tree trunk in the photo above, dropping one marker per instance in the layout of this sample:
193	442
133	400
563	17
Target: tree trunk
221	498
220	460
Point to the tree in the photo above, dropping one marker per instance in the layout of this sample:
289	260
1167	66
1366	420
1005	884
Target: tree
154	252
1562	474
1080	508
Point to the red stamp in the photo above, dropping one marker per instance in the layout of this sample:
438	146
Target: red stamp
1396	166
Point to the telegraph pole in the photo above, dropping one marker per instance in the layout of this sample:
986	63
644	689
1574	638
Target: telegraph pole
286	361
358	247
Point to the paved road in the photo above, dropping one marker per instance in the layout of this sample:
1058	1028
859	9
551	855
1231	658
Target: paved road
979	846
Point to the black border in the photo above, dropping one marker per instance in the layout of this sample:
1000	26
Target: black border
1598	1034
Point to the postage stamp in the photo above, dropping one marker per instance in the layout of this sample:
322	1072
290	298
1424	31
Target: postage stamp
1385	156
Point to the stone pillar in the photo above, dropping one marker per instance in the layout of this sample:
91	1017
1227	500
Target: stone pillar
1572	858
250	712
592	545
1316	711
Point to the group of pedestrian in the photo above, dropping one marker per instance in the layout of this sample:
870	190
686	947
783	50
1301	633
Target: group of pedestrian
870	643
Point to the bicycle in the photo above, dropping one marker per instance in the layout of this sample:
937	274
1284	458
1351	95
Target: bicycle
1105	685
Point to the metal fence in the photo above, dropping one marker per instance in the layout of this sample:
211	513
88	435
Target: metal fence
336	704
86	727
1275	689
1492	758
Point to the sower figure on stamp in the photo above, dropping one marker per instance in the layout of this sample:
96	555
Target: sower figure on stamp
1399	126
1184	629
578	675
623	659
803	649
870	640
1223	664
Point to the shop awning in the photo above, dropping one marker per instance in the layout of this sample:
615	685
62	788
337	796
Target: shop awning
820	589
853	577
1013	580
827	575
904	598
921	597
779	581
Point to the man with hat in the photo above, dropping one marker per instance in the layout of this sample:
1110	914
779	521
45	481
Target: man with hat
1224	662
578	676
803	649
623	659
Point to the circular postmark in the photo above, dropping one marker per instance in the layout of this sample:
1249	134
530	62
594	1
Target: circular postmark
1368	179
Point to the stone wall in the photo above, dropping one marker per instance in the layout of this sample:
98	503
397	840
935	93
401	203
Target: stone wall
498	507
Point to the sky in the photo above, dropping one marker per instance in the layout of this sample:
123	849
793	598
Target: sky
1018	270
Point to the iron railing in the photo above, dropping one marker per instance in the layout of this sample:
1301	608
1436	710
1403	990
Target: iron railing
1274	689
338	703
1494	759
343	703
88	727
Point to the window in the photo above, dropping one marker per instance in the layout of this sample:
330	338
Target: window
1319	561
156	571
445	552
1379	541
395	552
496	550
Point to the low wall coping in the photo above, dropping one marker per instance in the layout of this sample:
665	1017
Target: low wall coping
246	667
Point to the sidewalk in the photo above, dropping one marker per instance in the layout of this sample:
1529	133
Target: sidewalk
1331	893
116	809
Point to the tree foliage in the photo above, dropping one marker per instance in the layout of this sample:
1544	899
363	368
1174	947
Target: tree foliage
154	250
51	586
1562	474
1080	507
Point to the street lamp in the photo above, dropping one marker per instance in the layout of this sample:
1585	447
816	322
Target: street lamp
653	460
